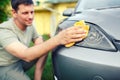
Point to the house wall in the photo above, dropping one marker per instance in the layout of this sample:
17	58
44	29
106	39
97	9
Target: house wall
47	16
42	21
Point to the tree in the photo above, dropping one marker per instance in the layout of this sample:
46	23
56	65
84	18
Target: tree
4	12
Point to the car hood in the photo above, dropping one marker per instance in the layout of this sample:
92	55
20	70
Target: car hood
107	19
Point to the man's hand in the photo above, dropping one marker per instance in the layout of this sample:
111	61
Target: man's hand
81	24
72	34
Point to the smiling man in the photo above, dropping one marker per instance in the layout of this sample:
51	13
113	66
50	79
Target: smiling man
15	36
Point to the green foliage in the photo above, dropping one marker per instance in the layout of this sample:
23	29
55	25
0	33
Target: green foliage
4	4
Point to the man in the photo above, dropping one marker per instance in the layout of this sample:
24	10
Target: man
15	36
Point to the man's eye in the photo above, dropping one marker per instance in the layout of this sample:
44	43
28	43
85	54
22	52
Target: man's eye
32	12
25	13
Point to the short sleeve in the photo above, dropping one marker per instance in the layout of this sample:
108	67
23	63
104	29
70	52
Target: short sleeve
7	37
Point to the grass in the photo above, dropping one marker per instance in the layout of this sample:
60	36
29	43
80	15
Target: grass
48	71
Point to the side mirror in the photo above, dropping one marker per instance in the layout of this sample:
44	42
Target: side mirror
68	12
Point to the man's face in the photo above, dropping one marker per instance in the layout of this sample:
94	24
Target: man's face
24	14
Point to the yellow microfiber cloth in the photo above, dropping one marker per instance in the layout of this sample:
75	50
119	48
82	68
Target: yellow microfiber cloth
82	24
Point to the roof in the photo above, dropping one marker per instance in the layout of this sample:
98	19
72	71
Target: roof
59	1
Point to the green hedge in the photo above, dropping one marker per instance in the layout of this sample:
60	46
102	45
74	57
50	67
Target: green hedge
4	13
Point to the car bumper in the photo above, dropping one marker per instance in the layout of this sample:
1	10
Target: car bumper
77	63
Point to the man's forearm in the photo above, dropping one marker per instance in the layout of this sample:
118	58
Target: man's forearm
41	49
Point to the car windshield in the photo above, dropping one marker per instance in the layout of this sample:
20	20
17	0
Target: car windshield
96	4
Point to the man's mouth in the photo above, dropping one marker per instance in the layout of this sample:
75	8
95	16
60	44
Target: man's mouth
29	21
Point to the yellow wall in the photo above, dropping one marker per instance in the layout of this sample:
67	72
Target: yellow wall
61	7
47	20
42	22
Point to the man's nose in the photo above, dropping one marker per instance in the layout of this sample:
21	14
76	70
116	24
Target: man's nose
30	15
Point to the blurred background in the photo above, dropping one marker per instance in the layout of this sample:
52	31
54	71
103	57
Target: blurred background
48	13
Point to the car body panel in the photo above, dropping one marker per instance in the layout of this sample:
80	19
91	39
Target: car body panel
105	19
87	63
94	56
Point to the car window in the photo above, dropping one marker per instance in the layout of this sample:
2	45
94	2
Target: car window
96	4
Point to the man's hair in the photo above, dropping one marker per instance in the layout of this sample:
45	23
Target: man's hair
15	3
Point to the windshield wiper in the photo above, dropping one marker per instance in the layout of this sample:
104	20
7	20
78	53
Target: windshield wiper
78	12
108	8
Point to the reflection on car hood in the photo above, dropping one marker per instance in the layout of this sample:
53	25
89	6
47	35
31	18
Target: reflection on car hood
107	19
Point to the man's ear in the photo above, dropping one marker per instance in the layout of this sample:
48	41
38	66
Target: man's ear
14	13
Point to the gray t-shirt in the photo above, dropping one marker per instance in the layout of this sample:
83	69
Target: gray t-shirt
10	33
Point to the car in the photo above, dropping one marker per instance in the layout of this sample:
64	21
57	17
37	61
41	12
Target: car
97	57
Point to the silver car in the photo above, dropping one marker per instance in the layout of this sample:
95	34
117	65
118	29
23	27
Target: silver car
97	57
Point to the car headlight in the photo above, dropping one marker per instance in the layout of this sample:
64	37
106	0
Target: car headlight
97	39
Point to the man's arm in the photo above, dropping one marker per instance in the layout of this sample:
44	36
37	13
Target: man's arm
19	50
